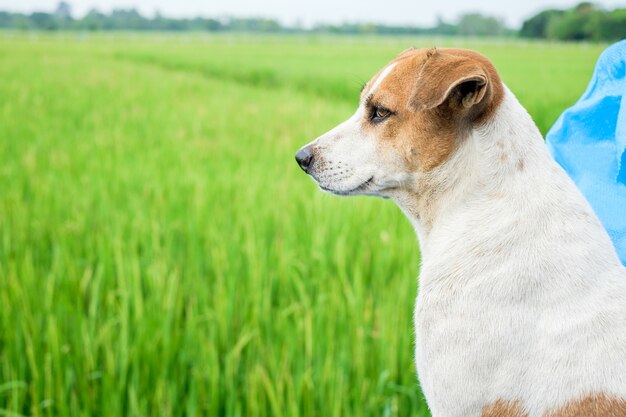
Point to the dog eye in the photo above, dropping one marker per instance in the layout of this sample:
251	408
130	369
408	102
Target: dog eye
379	114
382	113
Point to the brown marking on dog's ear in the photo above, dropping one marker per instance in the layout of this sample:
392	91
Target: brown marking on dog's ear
441	84
596	405
464	79
520	164
502	408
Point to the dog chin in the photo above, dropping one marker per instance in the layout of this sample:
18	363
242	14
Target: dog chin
340	193
366	188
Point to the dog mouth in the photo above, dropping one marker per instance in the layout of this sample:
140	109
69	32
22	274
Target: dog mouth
364	186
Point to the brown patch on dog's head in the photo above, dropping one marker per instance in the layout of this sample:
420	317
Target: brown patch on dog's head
503	408
596	405
436	96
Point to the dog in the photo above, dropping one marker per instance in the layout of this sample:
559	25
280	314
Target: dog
521	307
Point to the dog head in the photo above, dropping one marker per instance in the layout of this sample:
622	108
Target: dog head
411	118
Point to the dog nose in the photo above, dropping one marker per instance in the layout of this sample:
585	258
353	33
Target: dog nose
304	157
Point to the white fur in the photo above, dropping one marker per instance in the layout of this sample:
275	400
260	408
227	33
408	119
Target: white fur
381	77
522	296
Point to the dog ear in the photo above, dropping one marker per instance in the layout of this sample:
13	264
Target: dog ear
459	80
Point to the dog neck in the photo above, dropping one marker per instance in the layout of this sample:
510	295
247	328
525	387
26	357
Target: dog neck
486	164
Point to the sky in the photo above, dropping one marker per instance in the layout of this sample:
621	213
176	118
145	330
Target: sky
406	12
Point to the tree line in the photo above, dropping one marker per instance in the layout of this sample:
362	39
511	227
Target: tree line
586	21
471	24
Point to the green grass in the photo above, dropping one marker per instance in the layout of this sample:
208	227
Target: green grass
161	254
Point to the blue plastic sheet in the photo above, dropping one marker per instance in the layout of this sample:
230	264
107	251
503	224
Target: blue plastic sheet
589	140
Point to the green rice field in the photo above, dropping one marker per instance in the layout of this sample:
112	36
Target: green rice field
161	253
